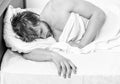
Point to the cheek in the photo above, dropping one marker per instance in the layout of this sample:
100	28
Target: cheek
45	29
38	31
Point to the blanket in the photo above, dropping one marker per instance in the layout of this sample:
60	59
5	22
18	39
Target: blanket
105	40
74	30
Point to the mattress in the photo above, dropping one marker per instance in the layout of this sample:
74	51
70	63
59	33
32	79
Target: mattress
102	67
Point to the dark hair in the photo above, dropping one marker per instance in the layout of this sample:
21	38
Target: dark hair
20	22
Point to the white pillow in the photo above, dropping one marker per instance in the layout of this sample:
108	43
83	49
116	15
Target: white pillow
12	40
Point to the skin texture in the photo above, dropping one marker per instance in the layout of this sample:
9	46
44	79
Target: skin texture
43	31
56	15
64	66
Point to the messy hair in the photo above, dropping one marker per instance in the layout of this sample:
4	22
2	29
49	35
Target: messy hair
19	23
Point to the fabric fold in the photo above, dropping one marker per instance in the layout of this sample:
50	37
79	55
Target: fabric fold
73	31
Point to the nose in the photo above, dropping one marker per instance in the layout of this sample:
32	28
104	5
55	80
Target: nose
48	34
43	36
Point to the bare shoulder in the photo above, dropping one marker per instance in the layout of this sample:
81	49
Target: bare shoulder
83	8
71	4
62	3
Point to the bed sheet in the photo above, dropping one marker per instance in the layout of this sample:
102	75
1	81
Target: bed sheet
101	67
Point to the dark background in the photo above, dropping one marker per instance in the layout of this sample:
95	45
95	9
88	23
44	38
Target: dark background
3	7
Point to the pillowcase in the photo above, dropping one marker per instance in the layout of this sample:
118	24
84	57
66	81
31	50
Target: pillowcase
12	39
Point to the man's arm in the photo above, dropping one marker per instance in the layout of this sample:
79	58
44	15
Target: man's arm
96	19
40	55
64	65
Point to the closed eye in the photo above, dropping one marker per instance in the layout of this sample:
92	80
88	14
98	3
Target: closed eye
41	32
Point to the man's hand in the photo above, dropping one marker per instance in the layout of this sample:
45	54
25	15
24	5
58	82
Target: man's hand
64	65
74	44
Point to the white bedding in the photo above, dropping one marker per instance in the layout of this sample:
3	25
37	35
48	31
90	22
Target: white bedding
101	67
73	30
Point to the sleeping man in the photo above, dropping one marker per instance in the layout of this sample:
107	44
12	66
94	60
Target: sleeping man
51	23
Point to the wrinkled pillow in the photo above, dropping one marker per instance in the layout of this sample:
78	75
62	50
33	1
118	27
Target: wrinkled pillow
12	39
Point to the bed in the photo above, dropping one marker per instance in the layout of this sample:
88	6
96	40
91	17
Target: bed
3	6
100	67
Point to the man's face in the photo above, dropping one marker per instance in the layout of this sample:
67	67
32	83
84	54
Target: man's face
42	30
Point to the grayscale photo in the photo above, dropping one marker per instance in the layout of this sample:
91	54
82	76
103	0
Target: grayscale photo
59	41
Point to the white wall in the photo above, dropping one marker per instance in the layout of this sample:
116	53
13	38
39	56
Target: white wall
33	3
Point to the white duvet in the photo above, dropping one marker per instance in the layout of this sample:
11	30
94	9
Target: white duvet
101	66
73	30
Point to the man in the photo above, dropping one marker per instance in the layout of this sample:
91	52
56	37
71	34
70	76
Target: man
52	21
